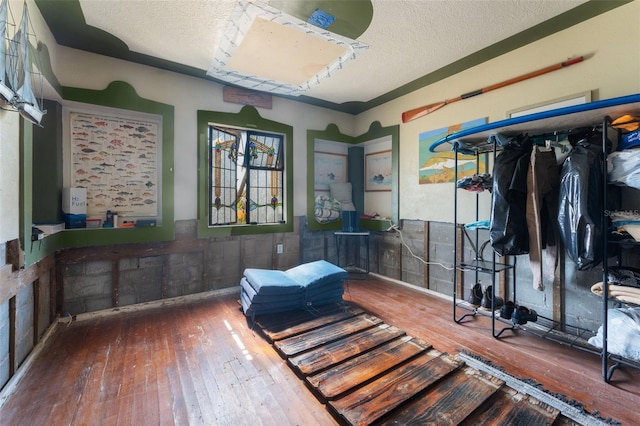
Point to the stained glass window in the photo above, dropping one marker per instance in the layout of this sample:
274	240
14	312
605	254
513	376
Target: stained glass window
247	177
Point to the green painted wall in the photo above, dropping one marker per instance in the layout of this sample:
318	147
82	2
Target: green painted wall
36	184
47	165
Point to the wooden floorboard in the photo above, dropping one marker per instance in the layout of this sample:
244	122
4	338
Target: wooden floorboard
278	327
508	407
371	402
450	401
206	363
328	334
368	382
347	375
557	368
318	359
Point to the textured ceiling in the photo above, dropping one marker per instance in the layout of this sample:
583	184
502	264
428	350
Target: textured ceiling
186	32
407	39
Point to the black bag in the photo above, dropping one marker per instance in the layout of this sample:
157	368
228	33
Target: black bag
508	231
581	201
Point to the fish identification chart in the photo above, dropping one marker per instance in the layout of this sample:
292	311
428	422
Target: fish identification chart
116	160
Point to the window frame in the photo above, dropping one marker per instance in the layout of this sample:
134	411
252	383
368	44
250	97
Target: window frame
248	118
244	170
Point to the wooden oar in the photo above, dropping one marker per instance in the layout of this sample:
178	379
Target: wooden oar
428	109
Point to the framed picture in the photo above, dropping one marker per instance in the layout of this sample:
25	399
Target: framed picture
571	100
329	168
116	158
378	171
438	167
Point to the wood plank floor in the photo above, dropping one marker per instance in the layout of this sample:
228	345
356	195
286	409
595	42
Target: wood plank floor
202	363
557	368
378	375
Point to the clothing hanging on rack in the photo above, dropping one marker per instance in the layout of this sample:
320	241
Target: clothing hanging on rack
581	199
542	213
508	231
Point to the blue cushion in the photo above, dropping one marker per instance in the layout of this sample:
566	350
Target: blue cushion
250	308
246	303
246	287
324	301
316	273
254	297
267	281
326	293
311	284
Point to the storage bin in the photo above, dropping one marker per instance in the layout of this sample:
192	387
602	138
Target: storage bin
75	221
94	223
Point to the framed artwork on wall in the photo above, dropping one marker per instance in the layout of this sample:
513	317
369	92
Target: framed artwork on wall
438	167
329	168
378	171
116	158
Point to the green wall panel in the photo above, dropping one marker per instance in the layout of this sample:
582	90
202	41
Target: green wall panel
47	165
118	95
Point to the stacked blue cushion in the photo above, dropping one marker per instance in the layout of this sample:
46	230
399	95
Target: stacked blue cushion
311	284
323	281
263	305
266	291
317	274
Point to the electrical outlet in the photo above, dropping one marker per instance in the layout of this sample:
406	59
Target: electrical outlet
280	248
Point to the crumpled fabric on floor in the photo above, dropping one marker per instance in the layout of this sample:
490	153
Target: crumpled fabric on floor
623	335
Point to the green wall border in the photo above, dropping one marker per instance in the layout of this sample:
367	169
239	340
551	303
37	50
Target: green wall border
332	133
41	57
376	131
68	26
33	250
352	18
122	95
26	194
247	118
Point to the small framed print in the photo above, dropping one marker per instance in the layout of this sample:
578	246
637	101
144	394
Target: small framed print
378	171
329	168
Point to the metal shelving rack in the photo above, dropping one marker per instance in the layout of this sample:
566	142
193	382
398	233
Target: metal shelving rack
616	360
590	114
478	265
